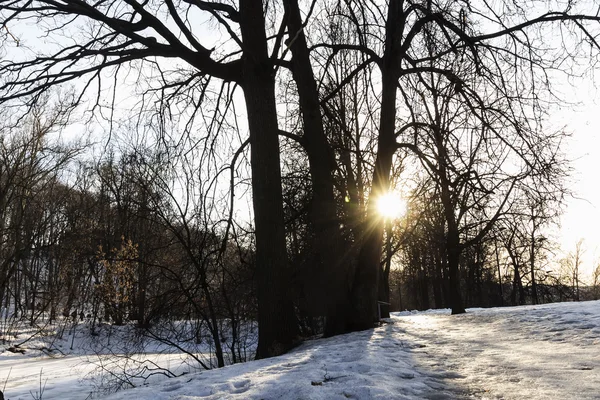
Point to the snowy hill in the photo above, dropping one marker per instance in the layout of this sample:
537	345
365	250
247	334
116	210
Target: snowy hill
535	352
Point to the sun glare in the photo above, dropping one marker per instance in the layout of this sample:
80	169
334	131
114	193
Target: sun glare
391	205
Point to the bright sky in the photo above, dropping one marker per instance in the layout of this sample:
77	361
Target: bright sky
582	217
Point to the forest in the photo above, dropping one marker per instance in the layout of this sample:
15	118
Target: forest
290	167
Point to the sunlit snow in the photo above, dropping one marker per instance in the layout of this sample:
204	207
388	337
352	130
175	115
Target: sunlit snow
534	352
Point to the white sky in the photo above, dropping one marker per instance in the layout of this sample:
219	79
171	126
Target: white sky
582	217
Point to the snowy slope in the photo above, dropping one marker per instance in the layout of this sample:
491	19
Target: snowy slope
534	352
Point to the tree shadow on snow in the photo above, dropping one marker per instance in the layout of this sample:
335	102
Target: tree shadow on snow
377	363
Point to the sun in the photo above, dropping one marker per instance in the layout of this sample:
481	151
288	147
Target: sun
391	205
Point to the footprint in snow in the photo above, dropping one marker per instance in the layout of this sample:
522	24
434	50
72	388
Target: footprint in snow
362	368
405	375
241	386
172	388
585	326
203	392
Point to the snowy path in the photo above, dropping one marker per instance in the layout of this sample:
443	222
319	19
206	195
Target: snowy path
541	352
535	352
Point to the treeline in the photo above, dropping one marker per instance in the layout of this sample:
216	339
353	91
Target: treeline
100	241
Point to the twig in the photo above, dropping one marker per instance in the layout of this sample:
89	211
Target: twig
6	380
40	395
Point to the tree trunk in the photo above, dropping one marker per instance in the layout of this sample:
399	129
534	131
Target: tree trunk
365	284
534	294
400	305
499	275
471	267
437	281
454	275
517	287
327	285
384	281
366	276
278	328
445	276
453	247
424	287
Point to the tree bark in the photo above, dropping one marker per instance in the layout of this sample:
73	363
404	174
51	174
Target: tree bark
278	328
453	273
328	280
534	294
384	281
366	277
365	284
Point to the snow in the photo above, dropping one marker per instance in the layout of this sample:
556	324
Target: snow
82	366
533	352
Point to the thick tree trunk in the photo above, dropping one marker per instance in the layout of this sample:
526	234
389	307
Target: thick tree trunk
384	294
278	328
366	277
327	286
365	284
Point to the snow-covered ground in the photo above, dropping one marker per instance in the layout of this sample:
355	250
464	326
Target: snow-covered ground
534	352
62	361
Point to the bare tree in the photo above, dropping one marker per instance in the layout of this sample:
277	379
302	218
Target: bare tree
571	266
596	283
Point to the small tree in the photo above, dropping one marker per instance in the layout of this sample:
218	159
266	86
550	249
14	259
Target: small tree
116	286
571	268
596	283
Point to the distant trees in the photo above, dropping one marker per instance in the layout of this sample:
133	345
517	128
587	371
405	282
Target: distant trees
119	245
32	164
596	283
571	266
178	264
